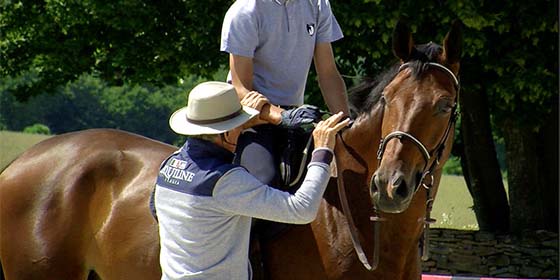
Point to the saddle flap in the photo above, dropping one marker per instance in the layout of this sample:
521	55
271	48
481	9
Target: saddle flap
295	157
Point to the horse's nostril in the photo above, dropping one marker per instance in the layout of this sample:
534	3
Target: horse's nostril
402	189
397	181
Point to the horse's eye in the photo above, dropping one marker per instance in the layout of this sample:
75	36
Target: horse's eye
445	106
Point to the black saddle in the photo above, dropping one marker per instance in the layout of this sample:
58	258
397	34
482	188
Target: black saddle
295	155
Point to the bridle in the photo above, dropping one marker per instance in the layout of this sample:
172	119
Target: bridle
438	151
434	157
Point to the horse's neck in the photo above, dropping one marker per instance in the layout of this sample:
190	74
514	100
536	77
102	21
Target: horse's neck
356	159
362	139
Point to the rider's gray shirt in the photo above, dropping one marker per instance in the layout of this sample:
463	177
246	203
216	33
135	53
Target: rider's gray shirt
207	237
280	36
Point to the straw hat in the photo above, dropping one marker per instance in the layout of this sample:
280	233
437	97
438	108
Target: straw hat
213	108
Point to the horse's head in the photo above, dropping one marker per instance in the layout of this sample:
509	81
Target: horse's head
418	117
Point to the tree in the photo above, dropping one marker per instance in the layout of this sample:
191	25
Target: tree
89	102
121	41
481	168
515	64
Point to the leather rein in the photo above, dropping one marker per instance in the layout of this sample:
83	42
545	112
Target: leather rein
436	155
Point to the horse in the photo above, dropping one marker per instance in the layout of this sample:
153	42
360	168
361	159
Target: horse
76	206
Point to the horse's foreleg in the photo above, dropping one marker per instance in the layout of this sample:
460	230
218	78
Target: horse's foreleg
1	271
92	276
413	266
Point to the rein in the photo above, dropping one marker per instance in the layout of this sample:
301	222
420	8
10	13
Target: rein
427	173
352	227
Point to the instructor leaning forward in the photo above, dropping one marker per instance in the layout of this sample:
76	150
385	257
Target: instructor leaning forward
205	204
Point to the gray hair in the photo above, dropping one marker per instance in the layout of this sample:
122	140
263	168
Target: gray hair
206	137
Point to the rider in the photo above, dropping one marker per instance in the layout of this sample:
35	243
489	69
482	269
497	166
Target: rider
205	204
271	45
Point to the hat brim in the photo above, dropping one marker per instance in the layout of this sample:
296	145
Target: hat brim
180	124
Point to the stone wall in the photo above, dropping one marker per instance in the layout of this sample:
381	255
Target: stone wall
477	253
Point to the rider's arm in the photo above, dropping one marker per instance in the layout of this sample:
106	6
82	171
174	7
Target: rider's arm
331	83
241	68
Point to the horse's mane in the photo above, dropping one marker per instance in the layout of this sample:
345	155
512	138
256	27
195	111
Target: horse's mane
364	96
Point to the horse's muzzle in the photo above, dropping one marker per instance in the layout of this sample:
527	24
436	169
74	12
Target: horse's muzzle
390	194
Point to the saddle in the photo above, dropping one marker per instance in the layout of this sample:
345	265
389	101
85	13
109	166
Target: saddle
295	155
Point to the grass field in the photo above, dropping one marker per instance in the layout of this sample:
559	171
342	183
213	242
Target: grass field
13	144
452	207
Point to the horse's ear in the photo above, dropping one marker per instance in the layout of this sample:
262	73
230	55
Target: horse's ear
402	41
453	43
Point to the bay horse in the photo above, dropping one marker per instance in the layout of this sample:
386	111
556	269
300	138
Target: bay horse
75	206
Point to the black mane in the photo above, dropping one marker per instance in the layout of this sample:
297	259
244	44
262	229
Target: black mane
364	96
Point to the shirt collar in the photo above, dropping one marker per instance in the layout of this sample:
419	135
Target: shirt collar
198	148
283	2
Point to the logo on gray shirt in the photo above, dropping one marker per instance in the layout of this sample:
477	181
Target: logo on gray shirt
311	29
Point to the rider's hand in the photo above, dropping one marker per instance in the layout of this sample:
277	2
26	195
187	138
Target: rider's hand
299	116
325	131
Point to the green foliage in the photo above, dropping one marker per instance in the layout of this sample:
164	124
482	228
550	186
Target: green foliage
90	102
37	129
513	55
453	166
510	48
120	41
510	51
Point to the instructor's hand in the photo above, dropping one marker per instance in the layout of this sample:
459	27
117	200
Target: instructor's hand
325	131
254	100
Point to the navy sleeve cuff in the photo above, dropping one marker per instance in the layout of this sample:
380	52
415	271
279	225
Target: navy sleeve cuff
322	155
